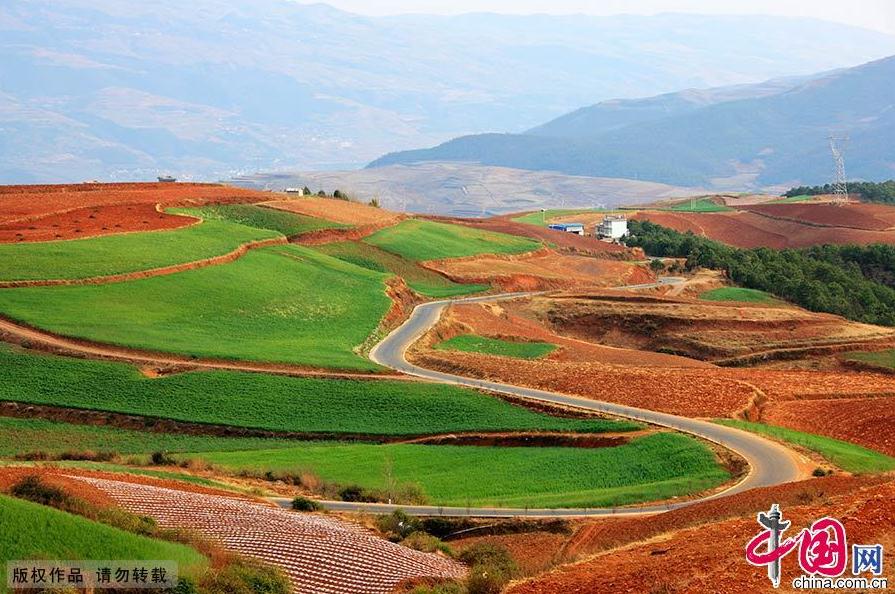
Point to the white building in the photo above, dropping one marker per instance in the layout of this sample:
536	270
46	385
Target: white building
296	191
613	227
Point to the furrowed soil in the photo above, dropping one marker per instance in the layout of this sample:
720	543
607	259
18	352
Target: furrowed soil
339	211
666	556
856	216
864	421
543	269
49	212
91	221
781	226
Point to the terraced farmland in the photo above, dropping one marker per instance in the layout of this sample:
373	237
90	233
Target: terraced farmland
251	215
33	531
422	280
420	240
130	252
285	304
654	467
272	402
320	554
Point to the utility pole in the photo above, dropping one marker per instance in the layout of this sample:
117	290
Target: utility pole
840	183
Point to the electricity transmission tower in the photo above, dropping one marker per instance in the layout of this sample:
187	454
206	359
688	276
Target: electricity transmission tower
840	184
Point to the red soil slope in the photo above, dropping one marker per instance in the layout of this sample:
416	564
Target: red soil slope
856	216
40	213
339	211
710	557
864	421
786	225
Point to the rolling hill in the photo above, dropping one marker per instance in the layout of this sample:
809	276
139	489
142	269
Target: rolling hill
768	134
210	89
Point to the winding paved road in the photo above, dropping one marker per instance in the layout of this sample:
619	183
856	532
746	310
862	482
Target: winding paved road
770	463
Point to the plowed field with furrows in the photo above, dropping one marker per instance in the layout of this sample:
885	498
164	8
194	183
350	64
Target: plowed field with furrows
544	269
856	216
749	229
864	421
320	554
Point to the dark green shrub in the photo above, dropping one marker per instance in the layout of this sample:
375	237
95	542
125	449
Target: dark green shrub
162	459
355	493
306	505
398	525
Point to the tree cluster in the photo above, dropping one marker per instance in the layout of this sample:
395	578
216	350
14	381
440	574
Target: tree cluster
852	281
868	191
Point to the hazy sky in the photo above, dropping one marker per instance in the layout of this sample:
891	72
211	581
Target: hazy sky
873	14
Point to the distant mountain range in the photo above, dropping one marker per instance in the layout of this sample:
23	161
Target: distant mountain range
770	134
121	89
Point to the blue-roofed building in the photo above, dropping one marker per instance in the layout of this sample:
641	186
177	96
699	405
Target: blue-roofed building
576	228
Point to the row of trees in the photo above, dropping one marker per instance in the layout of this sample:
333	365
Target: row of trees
852	281
869	191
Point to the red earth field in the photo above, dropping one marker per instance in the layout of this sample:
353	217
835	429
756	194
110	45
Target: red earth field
319	553
542	269
657	381
864	421
857	216
786	225
339	211
48	212
701	548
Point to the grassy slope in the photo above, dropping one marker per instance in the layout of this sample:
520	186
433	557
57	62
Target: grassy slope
879	358
21	436
543	219
699	205
128	252
845	455
423	281
652	467
281	221
420	240
270	401
738	294
32	531
284	303
492	346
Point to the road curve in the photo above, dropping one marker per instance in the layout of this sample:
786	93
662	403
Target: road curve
770	463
